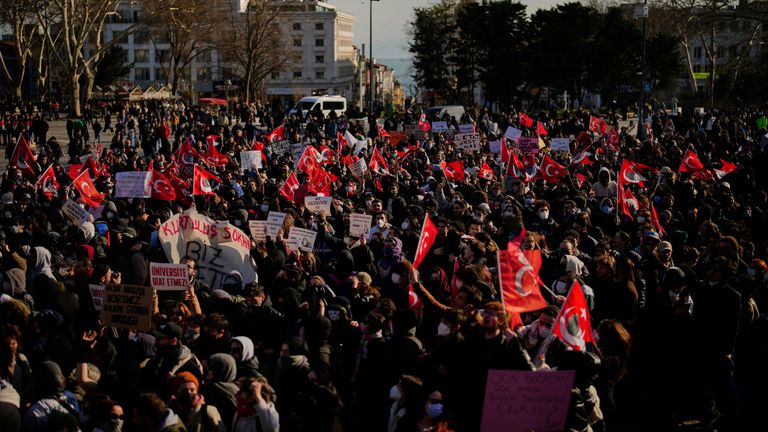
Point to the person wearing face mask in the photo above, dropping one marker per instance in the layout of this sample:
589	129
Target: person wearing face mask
543	223
190	406
172	358
382	225
534	334
107	416
434	415
408	402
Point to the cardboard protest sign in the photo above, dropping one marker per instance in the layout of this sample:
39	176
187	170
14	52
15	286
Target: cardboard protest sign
522	401
561	144
360	225
318	204
75	213
258	230
469	142
359	167
97	294
439	126
495	146
250	160
513	133
133	184
396	137
217	247
297	149
529	145
301	239
274	223
467	128
169	277
127	306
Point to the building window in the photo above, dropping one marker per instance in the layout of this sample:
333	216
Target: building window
160	74
720	52
275	75
204	73
142	74
319	42
141	37
319	26
319	59
297	26
297	74
319	74
697	52
141	55
297	42
162	55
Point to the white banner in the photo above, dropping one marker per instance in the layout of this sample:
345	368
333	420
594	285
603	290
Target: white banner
274	223
468	128
301	239
250	160
360	225
495	146
75	213
439	126
318	204
168	277
218	247
97	294
513	133
561	144
359	168
133	184
469	142
258	230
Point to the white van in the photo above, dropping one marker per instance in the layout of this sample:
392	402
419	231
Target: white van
452	110
326	103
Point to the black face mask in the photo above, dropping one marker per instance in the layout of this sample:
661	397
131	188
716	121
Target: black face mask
185	399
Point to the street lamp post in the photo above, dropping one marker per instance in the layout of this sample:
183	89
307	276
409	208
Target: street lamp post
372	80
641	132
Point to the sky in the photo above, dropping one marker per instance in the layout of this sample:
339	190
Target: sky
390	18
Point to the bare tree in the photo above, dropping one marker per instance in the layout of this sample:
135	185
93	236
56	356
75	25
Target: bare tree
20	16
186	27
72	27
253	43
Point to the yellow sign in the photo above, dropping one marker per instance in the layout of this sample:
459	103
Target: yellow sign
701	75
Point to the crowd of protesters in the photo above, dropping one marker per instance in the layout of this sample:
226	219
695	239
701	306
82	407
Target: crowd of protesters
330	340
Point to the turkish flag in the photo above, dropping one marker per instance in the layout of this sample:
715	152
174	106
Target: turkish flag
628	203
87	190
288	191
613	138
377	163
485	172
22	157
329	156
519	281
426	240
424	124
202	182
515	168
505	153
341	142
725	169
276	135
89	165
382	132
655	220
214	158
630	173
162	189
309	160
690	163
582	158
454	280
414	302
550	170
320	182
597	125
186	153
541	130
572	324
525	121
48	183
453	170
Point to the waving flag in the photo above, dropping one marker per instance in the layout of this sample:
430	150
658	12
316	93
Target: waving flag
377	163
48	183
309	160
630	173
87	190
426	240
329	156
572	324
690	163
453	170
597	125
424	124
541	130
519	281
655	220
288	191
382	132
550	170
162	189
276	135
725	169
202	182
22	157
583	158
525	121
485	172
214	158
628	203
186	153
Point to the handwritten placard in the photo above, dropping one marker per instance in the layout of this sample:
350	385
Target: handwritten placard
561	144
274	223
529	145
133	184
250	160
318	204
468	128
75	213
127	306
258	229
301	239
522	401
439	126
359	167
360	225
169	277
97	294
513	133
469	142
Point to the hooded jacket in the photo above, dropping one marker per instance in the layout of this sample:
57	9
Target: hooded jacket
18	281
249	364
42	266
220	391
607	191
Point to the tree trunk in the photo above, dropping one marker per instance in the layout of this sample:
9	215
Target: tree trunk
248	86
75	95
90	78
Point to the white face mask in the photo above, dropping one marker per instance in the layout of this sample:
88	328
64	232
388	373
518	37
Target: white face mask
395	278
405	225
264	208
529	201
394	393
641	219
443	329
544	214
380	223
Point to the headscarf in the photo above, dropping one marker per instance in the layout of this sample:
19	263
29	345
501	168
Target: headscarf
42	265
247	344
392	256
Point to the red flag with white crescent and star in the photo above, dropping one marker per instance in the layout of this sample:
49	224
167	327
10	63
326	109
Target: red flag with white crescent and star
550	170
288	191
202	182
572	324
690	163
426	240
48	183
22	157
162	189
519	280
87	190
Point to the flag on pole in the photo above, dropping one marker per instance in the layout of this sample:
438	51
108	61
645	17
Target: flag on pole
572	324
426	240
48	183
22	157
87	189
519	281
202	182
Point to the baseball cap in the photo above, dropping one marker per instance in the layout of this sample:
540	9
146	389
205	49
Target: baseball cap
170	330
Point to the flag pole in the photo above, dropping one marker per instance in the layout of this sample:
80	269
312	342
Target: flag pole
541	355
421	234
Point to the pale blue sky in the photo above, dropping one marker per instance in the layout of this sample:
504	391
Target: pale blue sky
390	18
